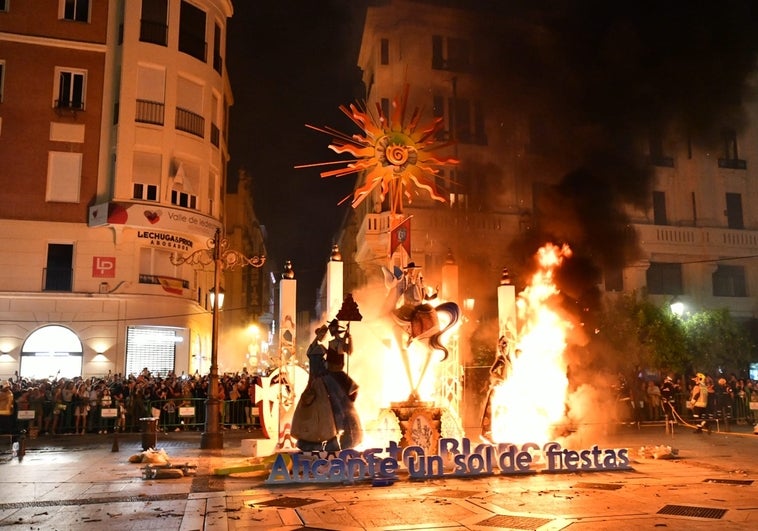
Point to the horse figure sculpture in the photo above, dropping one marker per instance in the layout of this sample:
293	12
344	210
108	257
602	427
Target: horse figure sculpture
416	319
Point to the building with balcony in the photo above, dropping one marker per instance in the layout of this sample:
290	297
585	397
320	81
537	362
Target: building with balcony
698	234
113	142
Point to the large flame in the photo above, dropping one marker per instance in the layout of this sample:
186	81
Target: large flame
531	402
378	365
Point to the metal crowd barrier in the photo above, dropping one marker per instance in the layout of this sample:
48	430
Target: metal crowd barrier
173	415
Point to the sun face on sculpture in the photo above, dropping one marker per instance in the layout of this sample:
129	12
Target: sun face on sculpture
394	157
396	150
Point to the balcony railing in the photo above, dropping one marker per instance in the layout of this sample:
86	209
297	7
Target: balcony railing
374	224
728	242
193	45
150	112
153	32
190	122
68	105
733	164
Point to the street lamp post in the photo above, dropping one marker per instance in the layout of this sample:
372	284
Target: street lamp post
222	258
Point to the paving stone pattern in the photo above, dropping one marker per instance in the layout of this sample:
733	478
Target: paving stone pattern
85	482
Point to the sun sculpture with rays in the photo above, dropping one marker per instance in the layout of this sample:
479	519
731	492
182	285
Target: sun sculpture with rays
396	157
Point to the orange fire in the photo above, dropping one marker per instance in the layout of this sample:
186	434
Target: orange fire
530	403
387	372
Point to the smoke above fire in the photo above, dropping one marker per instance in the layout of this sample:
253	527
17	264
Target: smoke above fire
586	89
590	82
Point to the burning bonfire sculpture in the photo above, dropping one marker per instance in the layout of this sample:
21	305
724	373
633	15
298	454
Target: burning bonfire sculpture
395	157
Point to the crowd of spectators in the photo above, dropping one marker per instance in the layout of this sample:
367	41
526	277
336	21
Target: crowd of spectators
647	398
117	403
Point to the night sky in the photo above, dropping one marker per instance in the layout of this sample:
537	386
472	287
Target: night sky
293	63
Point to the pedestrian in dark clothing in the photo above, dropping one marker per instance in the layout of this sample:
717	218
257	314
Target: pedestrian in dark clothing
669	390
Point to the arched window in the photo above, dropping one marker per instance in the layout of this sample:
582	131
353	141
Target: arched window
51	351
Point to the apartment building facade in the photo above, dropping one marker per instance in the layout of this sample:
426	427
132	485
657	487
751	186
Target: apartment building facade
113	142
699	238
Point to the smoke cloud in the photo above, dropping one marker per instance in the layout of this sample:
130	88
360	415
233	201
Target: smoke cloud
598	77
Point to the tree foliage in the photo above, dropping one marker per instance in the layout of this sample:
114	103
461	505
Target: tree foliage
647	335
717	343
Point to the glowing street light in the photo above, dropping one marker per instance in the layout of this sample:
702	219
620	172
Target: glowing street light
212	296
677	307
222	258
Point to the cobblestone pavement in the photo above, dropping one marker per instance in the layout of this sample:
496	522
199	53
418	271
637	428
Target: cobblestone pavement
87	482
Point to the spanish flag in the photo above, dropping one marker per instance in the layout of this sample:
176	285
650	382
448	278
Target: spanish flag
172	285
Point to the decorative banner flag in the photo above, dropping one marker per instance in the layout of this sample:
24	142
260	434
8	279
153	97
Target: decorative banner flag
172	285
401	236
